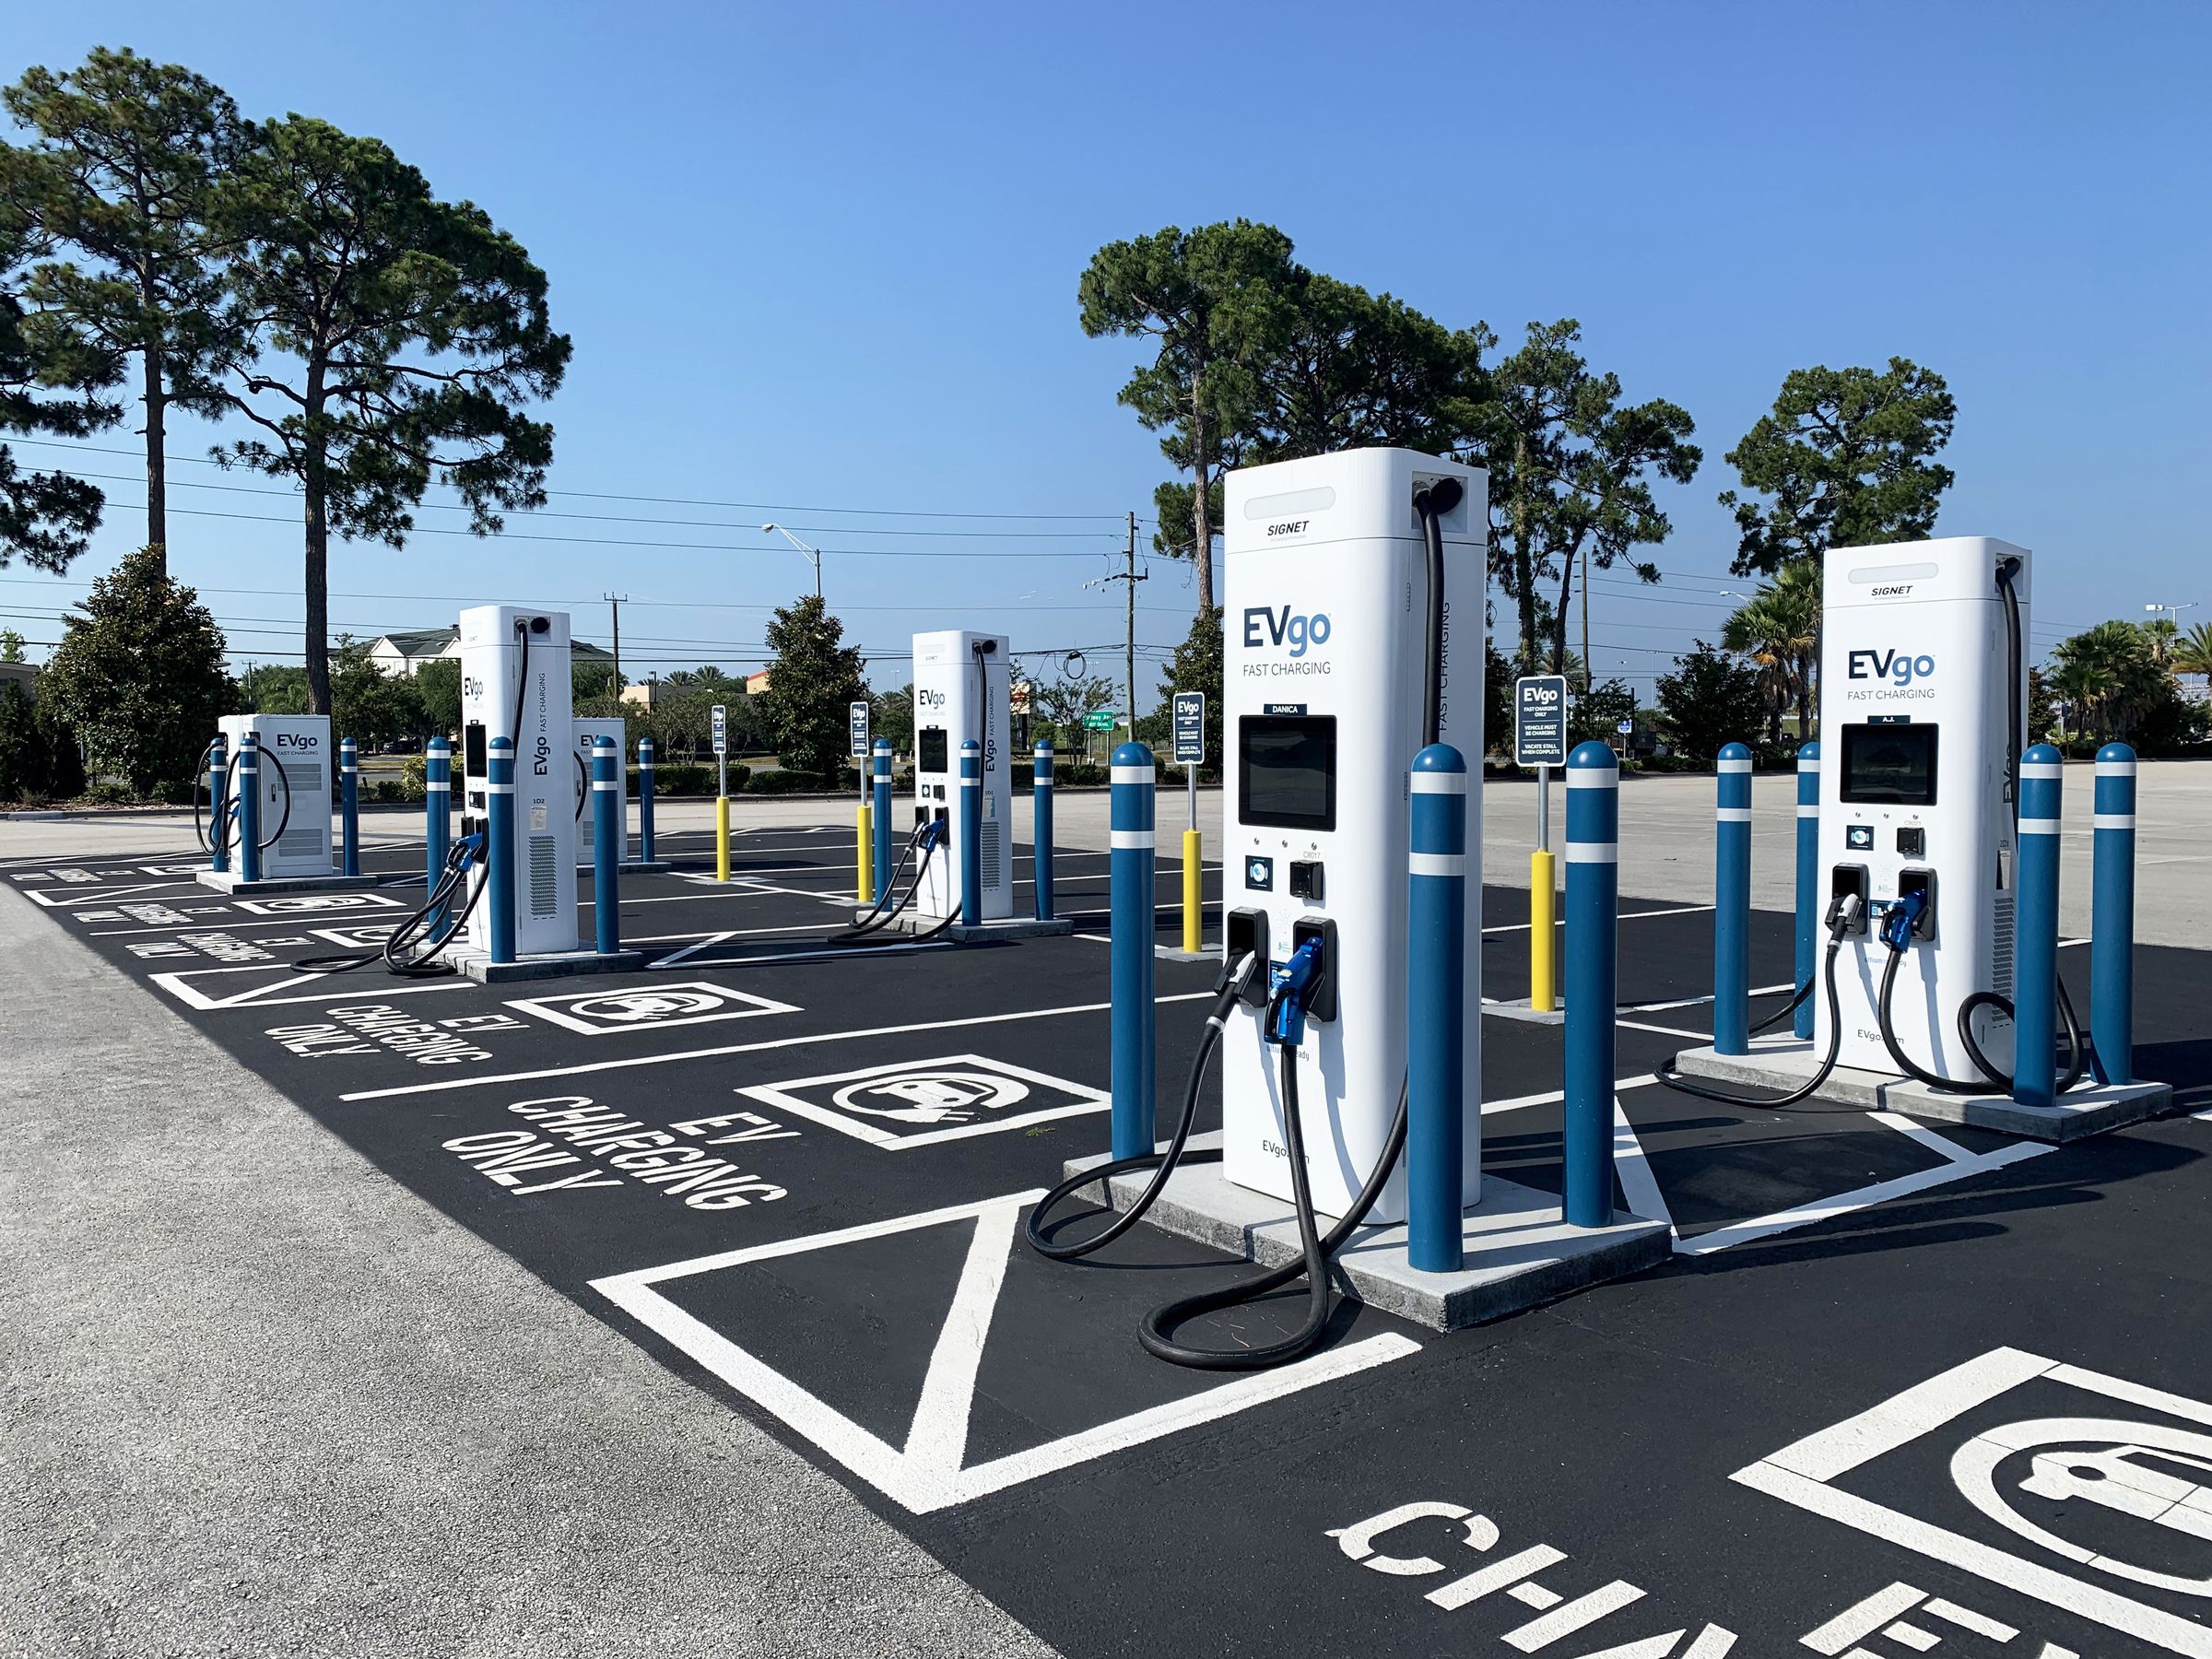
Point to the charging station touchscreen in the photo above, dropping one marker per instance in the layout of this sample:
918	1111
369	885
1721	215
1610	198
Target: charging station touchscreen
962	682
514	661
1287	770
1888	765
1326	680
1924	701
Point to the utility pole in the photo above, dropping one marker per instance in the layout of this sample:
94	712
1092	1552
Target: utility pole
1129	578
1588	673
614	604
1129	627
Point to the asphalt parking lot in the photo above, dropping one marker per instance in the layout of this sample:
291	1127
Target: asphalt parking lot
722	1165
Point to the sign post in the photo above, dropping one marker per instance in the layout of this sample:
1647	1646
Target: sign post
1540	740
1097	720
721	793
1190	754
856	723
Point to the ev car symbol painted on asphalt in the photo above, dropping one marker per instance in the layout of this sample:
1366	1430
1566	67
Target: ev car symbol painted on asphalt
920	1102
2107	1507
931	1097
654	1008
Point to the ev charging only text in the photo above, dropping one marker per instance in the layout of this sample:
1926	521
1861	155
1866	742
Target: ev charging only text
568	1132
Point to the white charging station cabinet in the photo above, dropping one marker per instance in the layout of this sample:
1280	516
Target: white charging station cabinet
300	747
1917	710
962	685
1326	585
501	663
589	730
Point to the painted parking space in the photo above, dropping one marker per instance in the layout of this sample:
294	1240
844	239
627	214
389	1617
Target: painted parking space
797	1176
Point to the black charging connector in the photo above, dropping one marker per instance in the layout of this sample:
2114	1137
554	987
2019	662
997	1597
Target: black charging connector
1244	931
1849	880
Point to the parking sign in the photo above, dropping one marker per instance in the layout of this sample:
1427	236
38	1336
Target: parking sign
1190	728
721	731
856	721
1540	720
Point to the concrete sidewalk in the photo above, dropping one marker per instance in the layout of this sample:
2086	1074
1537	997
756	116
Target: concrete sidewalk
261	1400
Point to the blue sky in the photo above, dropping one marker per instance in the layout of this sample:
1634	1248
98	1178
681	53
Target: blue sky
825	258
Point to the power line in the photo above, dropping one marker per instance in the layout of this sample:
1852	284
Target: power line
615	518
1175	610
598	495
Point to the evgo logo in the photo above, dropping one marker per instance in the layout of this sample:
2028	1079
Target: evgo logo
1898	667
1263	626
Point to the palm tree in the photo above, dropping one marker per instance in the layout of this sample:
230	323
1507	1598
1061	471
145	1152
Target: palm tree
2080	684
1778	629
2192	651
2161	632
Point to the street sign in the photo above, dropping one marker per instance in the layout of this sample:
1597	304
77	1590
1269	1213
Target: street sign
721	731
1626	728
856	721
1190	728
1540	720
1100	719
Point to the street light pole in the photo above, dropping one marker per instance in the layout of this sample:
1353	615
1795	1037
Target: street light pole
772	528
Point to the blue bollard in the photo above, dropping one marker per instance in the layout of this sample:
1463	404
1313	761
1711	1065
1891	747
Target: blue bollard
349	814
2113	917
2035	932
606	844
1732	904
645	799
1130	871
971	833
248	808
1041	827
1808	882
879	762
1436	968
218	804
498	847
1592	944
437	816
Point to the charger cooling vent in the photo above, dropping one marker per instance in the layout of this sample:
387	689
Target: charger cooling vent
302	843
987	850
543	897
305	777
2000	955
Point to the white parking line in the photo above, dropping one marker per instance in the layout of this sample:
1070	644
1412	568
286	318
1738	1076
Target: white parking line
1827	1209
752	1048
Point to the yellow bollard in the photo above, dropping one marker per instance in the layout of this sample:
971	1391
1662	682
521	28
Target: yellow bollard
863	832
1193	904
1543	960
722	838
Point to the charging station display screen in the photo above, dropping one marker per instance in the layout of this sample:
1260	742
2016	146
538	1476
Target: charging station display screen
931	755
1286	777
1889	765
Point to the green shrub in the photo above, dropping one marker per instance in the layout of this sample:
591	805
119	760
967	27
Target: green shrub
682	779
108	792
787	781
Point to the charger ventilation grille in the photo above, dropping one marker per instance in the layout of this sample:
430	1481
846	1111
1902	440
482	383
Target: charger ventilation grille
2000	964
543	899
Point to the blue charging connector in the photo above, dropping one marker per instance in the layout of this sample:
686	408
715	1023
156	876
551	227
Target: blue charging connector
1289	984
1901	916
